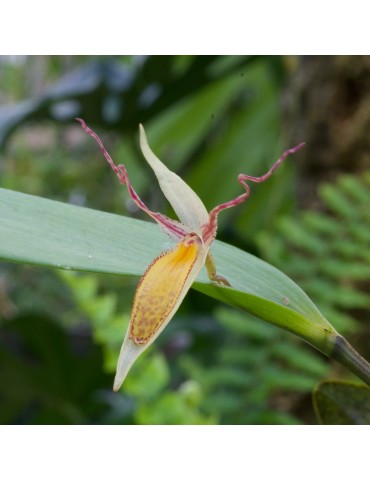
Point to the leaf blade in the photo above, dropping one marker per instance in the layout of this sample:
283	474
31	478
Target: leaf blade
342	403
53	234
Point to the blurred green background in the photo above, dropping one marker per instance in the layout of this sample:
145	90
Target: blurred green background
208	118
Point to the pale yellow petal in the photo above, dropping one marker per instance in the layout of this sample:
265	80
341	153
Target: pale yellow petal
186	203
128	354
158	296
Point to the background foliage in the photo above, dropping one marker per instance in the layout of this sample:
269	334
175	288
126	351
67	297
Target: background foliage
208	118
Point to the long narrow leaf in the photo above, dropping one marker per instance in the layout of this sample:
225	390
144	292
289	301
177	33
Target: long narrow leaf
42	232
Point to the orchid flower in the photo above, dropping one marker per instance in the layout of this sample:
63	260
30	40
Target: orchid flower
169	277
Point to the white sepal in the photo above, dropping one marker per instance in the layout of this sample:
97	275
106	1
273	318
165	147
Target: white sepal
186	203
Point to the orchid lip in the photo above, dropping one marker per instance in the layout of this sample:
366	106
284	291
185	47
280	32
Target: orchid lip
158	296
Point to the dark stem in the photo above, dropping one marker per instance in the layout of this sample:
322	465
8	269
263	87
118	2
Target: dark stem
345	354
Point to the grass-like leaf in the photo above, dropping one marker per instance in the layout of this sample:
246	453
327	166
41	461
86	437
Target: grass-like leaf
53	234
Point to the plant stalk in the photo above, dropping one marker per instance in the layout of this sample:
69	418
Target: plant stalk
345	354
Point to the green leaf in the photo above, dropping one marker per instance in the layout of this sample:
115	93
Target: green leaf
342	403
52	234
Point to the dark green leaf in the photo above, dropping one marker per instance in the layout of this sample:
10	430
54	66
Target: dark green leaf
340	403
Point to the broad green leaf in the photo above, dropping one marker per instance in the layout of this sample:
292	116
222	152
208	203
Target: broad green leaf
52	234
342	403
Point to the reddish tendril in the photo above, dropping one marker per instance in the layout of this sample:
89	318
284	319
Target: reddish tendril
171	226
242	178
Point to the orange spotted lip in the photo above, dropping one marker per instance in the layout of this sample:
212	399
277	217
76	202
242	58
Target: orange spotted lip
160	288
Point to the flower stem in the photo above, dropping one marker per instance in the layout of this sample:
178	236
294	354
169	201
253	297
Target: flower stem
345	354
